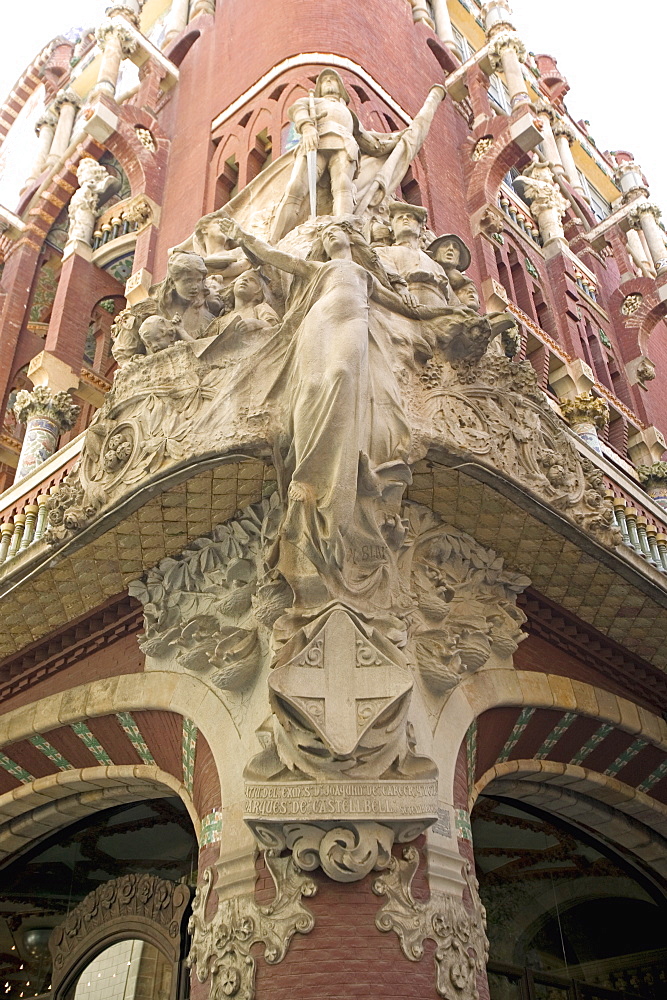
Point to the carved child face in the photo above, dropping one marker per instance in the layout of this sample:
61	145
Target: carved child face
448	254
468	296
157	333
247	288
189	283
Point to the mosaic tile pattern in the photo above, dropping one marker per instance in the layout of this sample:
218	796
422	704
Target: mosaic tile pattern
471	754
625	757
211	828
50	751
592	742
189	747
91	742
463	827
16	771
514	737
552	739
133	733
654	777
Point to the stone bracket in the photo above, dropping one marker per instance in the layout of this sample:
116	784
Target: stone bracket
459	933
221	944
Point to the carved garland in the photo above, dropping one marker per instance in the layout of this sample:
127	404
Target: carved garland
141	905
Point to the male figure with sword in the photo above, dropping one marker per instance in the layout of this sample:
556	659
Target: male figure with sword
332	140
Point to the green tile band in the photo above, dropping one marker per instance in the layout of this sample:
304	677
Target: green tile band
592	742
190	732
552	739
654	777
515	735
133	733
211	828
50	751
463	827
625	757
91	742
471	754
16	771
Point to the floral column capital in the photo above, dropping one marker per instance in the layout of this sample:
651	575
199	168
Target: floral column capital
585	409
41	402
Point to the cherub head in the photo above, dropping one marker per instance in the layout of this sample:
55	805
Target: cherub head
157	333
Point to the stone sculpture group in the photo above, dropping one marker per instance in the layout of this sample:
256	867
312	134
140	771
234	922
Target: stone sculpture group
315	322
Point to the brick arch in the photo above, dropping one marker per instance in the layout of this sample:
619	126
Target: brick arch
487	173
519	691
56	800
167	708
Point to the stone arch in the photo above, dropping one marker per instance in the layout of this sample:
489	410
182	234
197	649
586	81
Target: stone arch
154	690
504	688
56	800
602	803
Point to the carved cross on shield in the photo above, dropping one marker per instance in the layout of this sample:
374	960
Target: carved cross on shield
342	681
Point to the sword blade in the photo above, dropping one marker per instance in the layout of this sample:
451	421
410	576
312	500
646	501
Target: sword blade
311	158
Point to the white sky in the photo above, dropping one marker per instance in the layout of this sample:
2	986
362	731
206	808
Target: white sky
612	53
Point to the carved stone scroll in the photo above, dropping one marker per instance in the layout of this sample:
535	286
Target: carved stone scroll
221	945
459	932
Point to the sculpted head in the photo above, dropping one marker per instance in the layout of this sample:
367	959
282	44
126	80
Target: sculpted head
406	220
186	272
157	333
248	288
330	84
450	252
467	294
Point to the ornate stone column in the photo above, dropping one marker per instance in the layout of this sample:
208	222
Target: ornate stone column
45	129
178	19
46	415
202	7
585	414
547	117
66	105
420	12
654	480
547	204
508	51
117	44
93	179
443	25
564	139
645	218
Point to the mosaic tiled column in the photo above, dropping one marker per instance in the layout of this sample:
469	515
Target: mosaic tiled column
46	416
654	480
585	414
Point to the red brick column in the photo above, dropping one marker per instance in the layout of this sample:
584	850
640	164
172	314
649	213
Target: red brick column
345	956
81	285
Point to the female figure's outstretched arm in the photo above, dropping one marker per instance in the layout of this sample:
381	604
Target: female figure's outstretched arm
266	253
